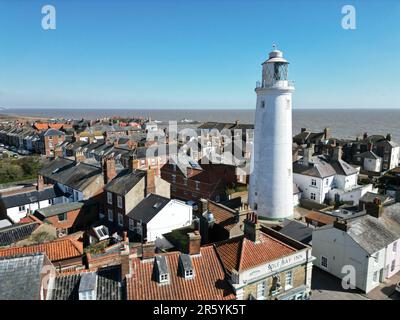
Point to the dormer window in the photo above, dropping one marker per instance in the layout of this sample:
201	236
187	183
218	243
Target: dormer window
185	266
164	277
161	270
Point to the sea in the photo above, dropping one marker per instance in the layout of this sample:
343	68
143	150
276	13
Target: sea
344	123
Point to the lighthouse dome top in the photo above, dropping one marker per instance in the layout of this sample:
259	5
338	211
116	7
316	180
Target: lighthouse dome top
276	56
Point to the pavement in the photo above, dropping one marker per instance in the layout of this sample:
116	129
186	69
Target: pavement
325	286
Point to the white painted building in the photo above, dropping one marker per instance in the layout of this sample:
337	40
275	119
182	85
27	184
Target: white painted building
18	205
366	243
155	216
322	178
271	179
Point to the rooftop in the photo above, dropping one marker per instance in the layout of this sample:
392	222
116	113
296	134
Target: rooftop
208	283
57	250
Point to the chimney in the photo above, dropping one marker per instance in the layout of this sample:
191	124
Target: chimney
327	133
148	250
58	153
252	227
203	205
236	122
307	154
109	171
337	153
389	137
340	224
150	181
194	243
133	163
79	156
369	146
40	183
365	135
374	208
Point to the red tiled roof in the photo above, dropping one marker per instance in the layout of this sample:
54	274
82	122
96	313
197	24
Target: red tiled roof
240	253
30	218
223	216
55	250
41	126
207	284
56	126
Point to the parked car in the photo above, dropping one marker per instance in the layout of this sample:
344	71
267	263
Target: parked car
398	287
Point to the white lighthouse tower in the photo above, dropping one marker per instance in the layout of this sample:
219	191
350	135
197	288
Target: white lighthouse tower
271	179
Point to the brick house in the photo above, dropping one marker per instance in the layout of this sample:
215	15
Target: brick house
264	264
69	217
49	141
190	181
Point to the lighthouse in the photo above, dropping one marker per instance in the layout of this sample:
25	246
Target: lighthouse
271	177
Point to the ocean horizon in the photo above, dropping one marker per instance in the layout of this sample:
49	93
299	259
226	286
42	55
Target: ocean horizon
344	122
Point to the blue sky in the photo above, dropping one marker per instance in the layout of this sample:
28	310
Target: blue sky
196	54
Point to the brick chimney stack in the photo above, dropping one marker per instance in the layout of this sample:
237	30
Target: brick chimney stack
375	208
337	153
148	250
194	243
150	181
133	163
365	135
307	154
109	171
79	156
40	183
340	224
369	146
327	133
252	227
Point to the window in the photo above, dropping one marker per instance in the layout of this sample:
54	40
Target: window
119	202
173	178
62	217
50	201
394	247
110	215
324	262
393	265
375	277
109	197
261	290
262	104
313	196
197	185
21	208
327	182
185	181
288	280
164	277
377	257
287	104
131	225
189	273
120	219
174	167
313	182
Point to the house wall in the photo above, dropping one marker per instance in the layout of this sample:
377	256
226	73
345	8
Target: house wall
341	250
134	196
373	165
299	278
392	254
174	215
